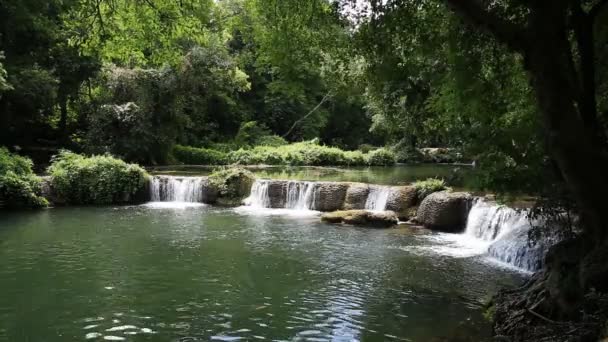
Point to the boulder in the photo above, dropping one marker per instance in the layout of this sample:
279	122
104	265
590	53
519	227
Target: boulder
400	200
365	218
445	211
329	196
356	196
233	185
48	191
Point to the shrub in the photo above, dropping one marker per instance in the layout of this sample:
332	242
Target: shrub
354	158
297	154
198	156
366	148
381	157
95	180
233	184
271	140
19	186
428	186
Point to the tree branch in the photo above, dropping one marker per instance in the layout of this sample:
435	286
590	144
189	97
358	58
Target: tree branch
325	98
481	17
597	8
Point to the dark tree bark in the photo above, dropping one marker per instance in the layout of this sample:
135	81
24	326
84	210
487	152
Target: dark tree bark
568	113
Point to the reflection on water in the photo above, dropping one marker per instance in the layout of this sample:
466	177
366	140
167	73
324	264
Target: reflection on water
455	175
202	273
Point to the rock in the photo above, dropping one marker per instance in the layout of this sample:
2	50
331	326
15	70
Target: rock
400	200
210	192
383	219
48	191
356	196
329	196
233	185
445	211
277	193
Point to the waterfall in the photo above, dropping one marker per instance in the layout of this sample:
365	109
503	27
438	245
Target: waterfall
377	198
177	189
259	197
300	195
292	195
506	232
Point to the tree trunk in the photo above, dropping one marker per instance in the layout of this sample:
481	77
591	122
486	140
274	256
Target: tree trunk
580	160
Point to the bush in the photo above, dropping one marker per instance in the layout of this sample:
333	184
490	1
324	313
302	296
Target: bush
19	186
297	154
428	186
95	180
271	140
198	156
381	157
233	184
354	158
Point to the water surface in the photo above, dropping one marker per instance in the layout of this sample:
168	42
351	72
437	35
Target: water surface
455	175
156	273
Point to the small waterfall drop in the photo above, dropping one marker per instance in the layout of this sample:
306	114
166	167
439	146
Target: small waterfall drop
259	197
377	198
176	189
506	232
300	195
295	195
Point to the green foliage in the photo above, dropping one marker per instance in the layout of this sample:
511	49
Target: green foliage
271	140
233	183
198	156
297	154
381	157
78	179
428	186
19	186
249	133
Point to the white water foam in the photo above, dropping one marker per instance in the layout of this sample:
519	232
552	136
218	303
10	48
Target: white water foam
177	189
377	198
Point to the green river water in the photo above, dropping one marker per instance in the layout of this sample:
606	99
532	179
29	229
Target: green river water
459	176
144	273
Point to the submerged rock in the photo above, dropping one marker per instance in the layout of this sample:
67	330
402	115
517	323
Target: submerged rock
400	200
356	196
384	219
329	196
445	211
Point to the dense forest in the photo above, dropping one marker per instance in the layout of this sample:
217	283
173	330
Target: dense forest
519	87
148	81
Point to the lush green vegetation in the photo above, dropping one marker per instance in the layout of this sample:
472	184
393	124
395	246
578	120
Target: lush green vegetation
428	186
233	184
78	179
521	87
19	186
303	153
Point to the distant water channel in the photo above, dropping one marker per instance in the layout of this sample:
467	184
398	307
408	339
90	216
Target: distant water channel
199	273
460	176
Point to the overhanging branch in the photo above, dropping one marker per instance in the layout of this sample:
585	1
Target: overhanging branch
597	8
481	17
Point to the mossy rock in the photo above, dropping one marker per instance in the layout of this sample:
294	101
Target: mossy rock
233	185
365	218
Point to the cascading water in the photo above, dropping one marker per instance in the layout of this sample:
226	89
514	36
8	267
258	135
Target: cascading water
298	195
259	197
506	232
177	189
377	198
